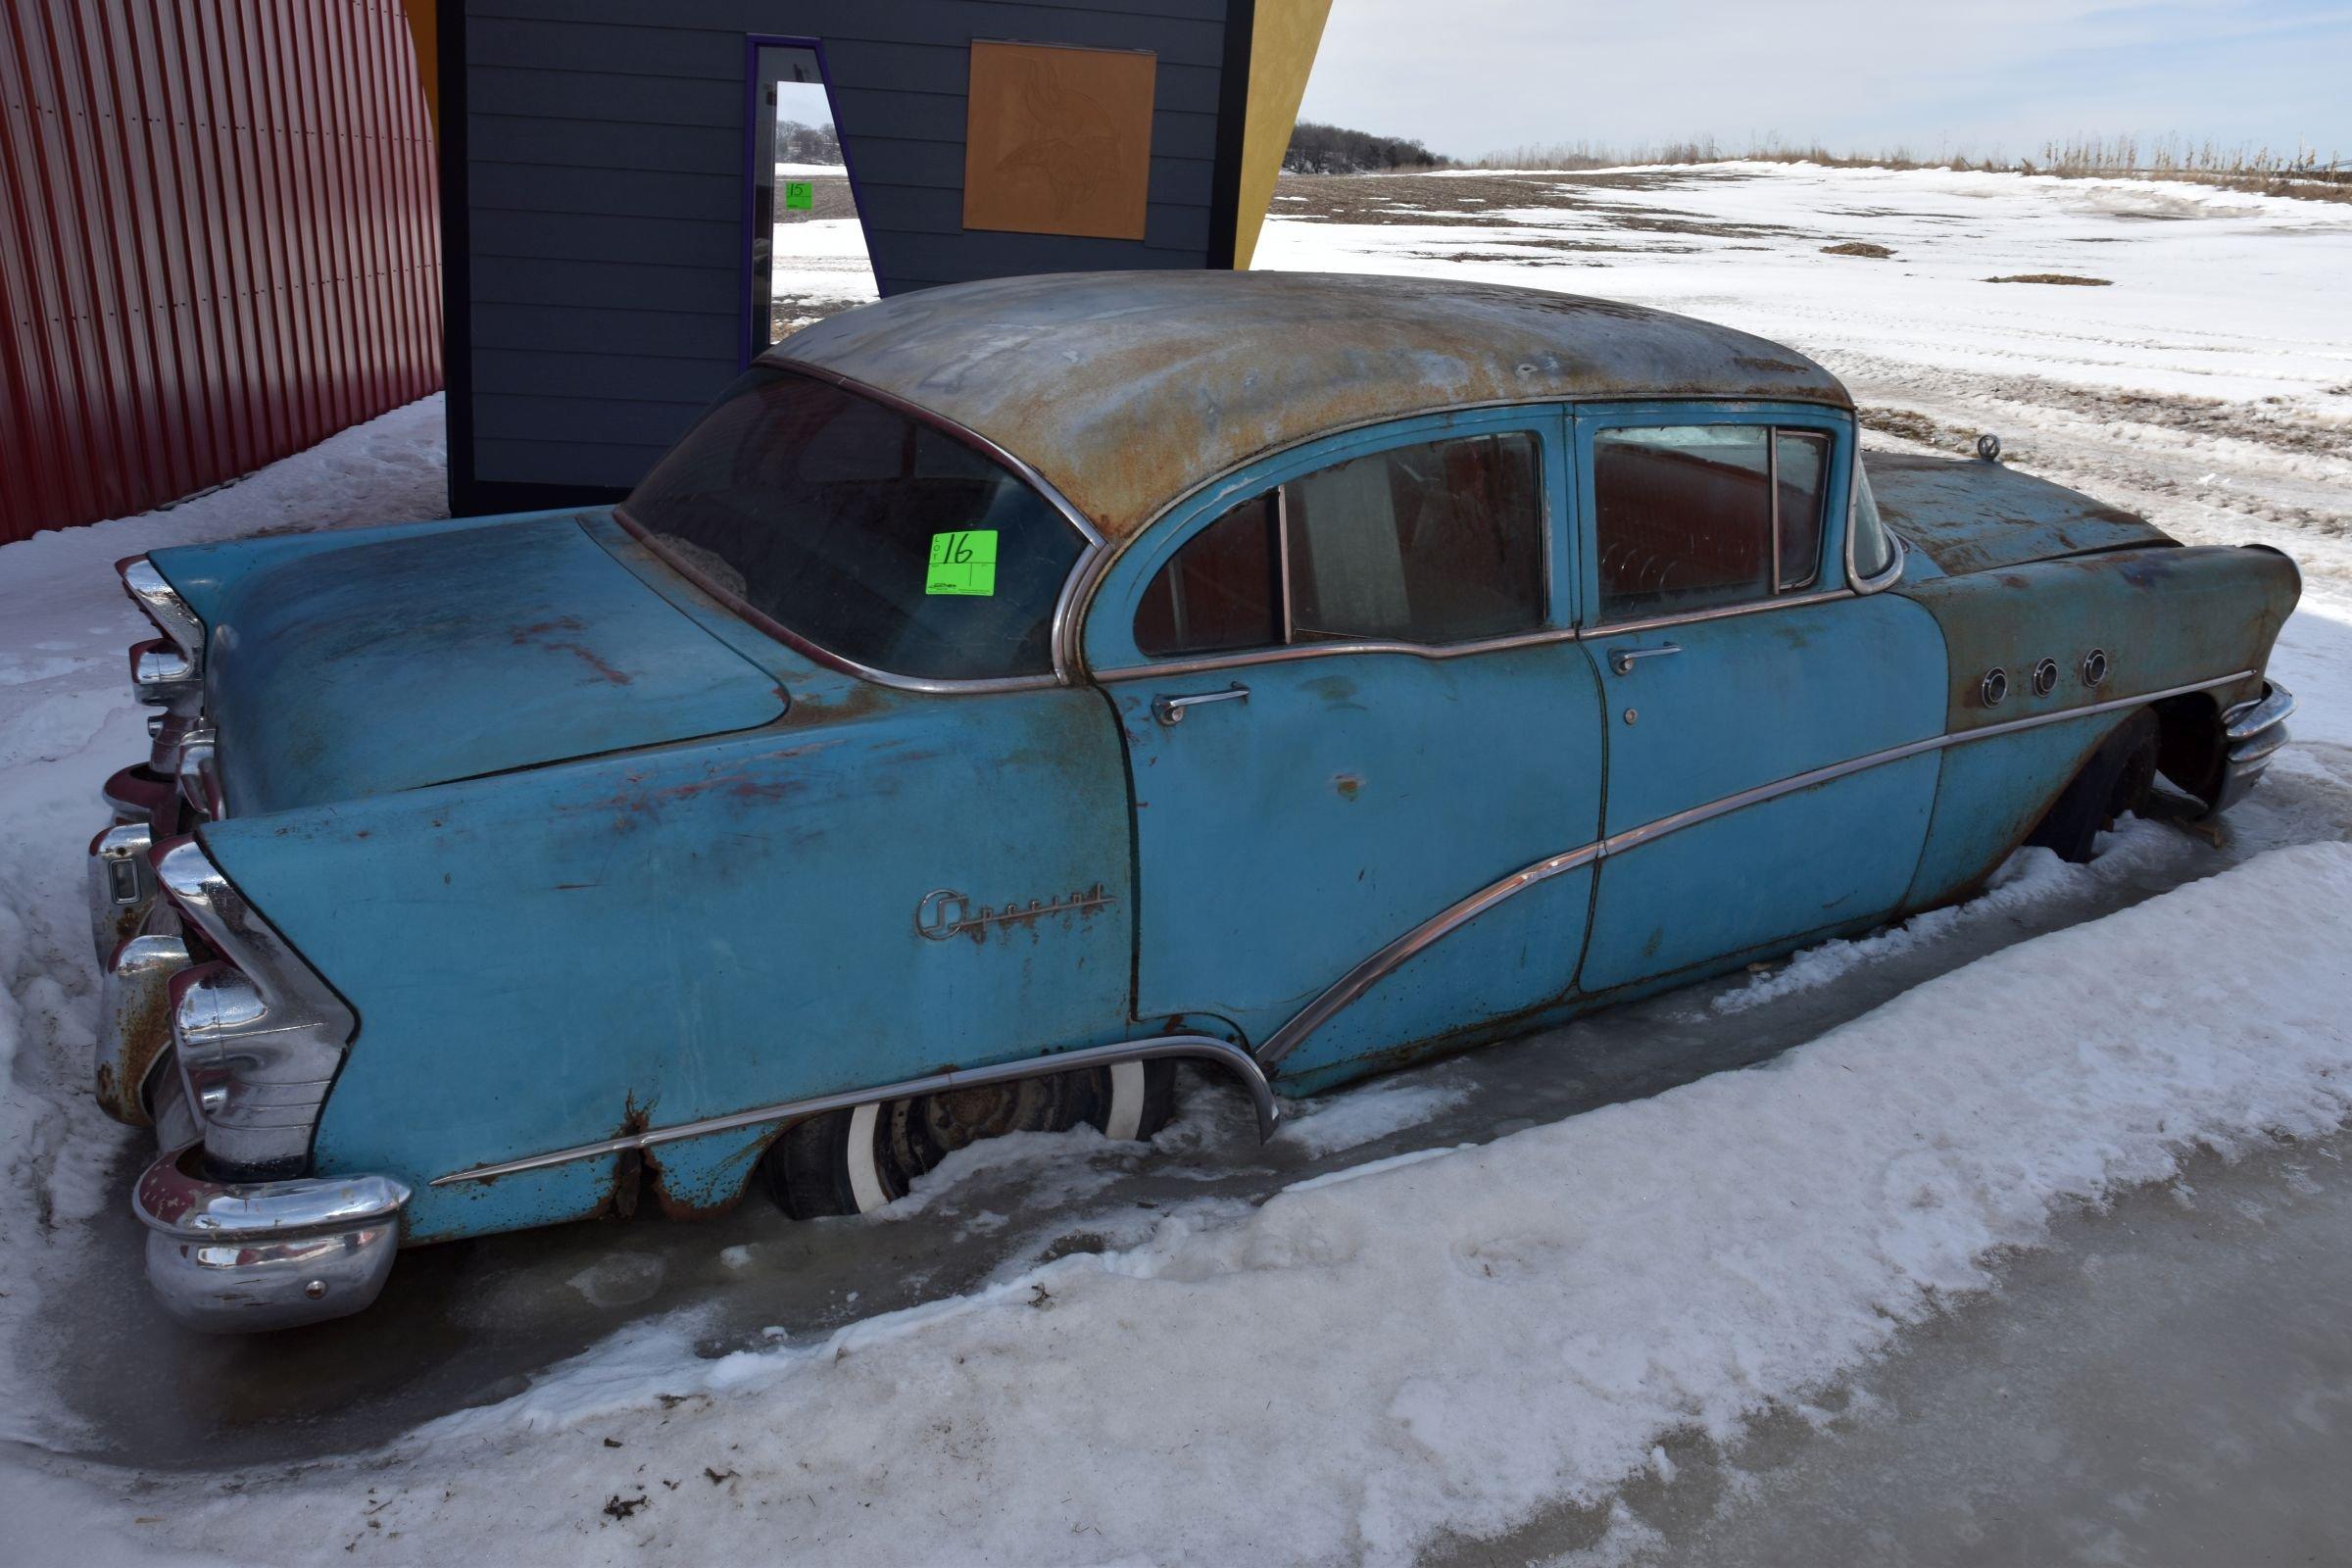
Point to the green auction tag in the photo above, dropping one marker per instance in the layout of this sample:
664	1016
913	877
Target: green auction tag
799	193
963	562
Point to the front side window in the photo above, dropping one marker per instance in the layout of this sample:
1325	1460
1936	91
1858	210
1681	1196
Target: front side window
1697	517
1436	543
862	530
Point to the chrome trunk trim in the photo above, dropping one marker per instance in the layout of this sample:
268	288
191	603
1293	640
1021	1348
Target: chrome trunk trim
1361	978
1199	1047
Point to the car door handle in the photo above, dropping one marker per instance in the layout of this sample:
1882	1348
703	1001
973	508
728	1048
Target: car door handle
1623	660
1170	709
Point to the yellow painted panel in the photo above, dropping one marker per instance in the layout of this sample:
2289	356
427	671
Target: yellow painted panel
1282	51
429	56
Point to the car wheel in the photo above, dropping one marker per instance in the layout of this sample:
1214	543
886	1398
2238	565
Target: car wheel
2115	782
854	1161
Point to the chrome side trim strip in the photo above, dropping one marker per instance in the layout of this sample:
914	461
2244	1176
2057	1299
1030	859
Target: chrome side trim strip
1201	1048
1360	979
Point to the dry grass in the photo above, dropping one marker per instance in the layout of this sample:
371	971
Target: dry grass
1858	247
2068	278
2304	172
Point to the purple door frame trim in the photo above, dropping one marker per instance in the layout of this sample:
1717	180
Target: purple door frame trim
752	44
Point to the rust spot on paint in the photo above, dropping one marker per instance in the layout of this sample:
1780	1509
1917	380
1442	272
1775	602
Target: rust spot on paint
857	699
543	633
1347	784
628	1171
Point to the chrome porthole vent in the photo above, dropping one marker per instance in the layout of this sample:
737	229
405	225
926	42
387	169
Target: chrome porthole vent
2094	668
1995	688
2046	677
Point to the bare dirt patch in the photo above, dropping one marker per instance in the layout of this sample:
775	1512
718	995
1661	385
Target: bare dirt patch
1857	247
2070	280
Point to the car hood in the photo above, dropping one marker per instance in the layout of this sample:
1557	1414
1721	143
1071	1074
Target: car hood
1980	517
347	665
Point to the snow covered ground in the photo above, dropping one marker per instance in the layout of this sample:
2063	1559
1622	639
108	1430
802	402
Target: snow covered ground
1485	1320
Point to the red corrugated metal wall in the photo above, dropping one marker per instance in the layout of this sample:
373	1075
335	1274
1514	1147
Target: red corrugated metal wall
219	242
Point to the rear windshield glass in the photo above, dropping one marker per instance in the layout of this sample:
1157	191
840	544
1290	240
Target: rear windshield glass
871	534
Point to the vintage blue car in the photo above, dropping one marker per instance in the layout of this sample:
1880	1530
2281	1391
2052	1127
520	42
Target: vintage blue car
1011	690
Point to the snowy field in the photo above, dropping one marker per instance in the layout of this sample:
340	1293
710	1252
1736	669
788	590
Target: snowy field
1438	1305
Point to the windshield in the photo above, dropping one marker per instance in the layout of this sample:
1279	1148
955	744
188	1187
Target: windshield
862	530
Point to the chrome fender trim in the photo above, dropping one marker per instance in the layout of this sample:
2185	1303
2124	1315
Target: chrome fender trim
2251	734
2246	728
280	1053
233	1257
1197	1048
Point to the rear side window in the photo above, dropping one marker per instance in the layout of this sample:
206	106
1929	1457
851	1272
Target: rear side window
863	530
1436	543
1695	516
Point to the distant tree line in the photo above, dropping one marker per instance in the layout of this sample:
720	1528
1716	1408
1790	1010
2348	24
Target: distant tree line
1335	150
797	143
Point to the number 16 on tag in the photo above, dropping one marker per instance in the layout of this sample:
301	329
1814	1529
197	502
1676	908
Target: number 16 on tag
963	562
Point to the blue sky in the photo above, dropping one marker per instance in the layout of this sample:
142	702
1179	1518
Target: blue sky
1471	77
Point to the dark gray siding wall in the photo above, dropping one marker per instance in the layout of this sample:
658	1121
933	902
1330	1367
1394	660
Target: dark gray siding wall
603	164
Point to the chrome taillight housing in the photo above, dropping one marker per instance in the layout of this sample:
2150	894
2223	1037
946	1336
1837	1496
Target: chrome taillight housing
259	1034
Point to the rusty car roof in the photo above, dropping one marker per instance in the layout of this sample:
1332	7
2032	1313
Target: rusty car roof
1125	390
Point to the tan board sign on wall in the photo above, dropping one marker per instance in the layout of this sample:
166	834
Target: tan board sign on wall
1059	140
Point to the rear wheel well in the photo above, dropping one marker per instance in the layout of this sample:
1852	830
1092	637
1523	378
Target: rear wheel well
2191	749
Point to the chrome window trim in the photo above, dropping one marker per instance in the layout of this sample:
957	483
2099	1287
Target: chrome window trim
1061	640
1894	571
1361	978
1820	504
1207	662
1792	601
1210	663
1201	1048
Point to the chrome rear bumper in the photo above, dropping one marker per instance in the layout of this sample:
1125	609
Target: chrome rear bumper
2253	732
240	1258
